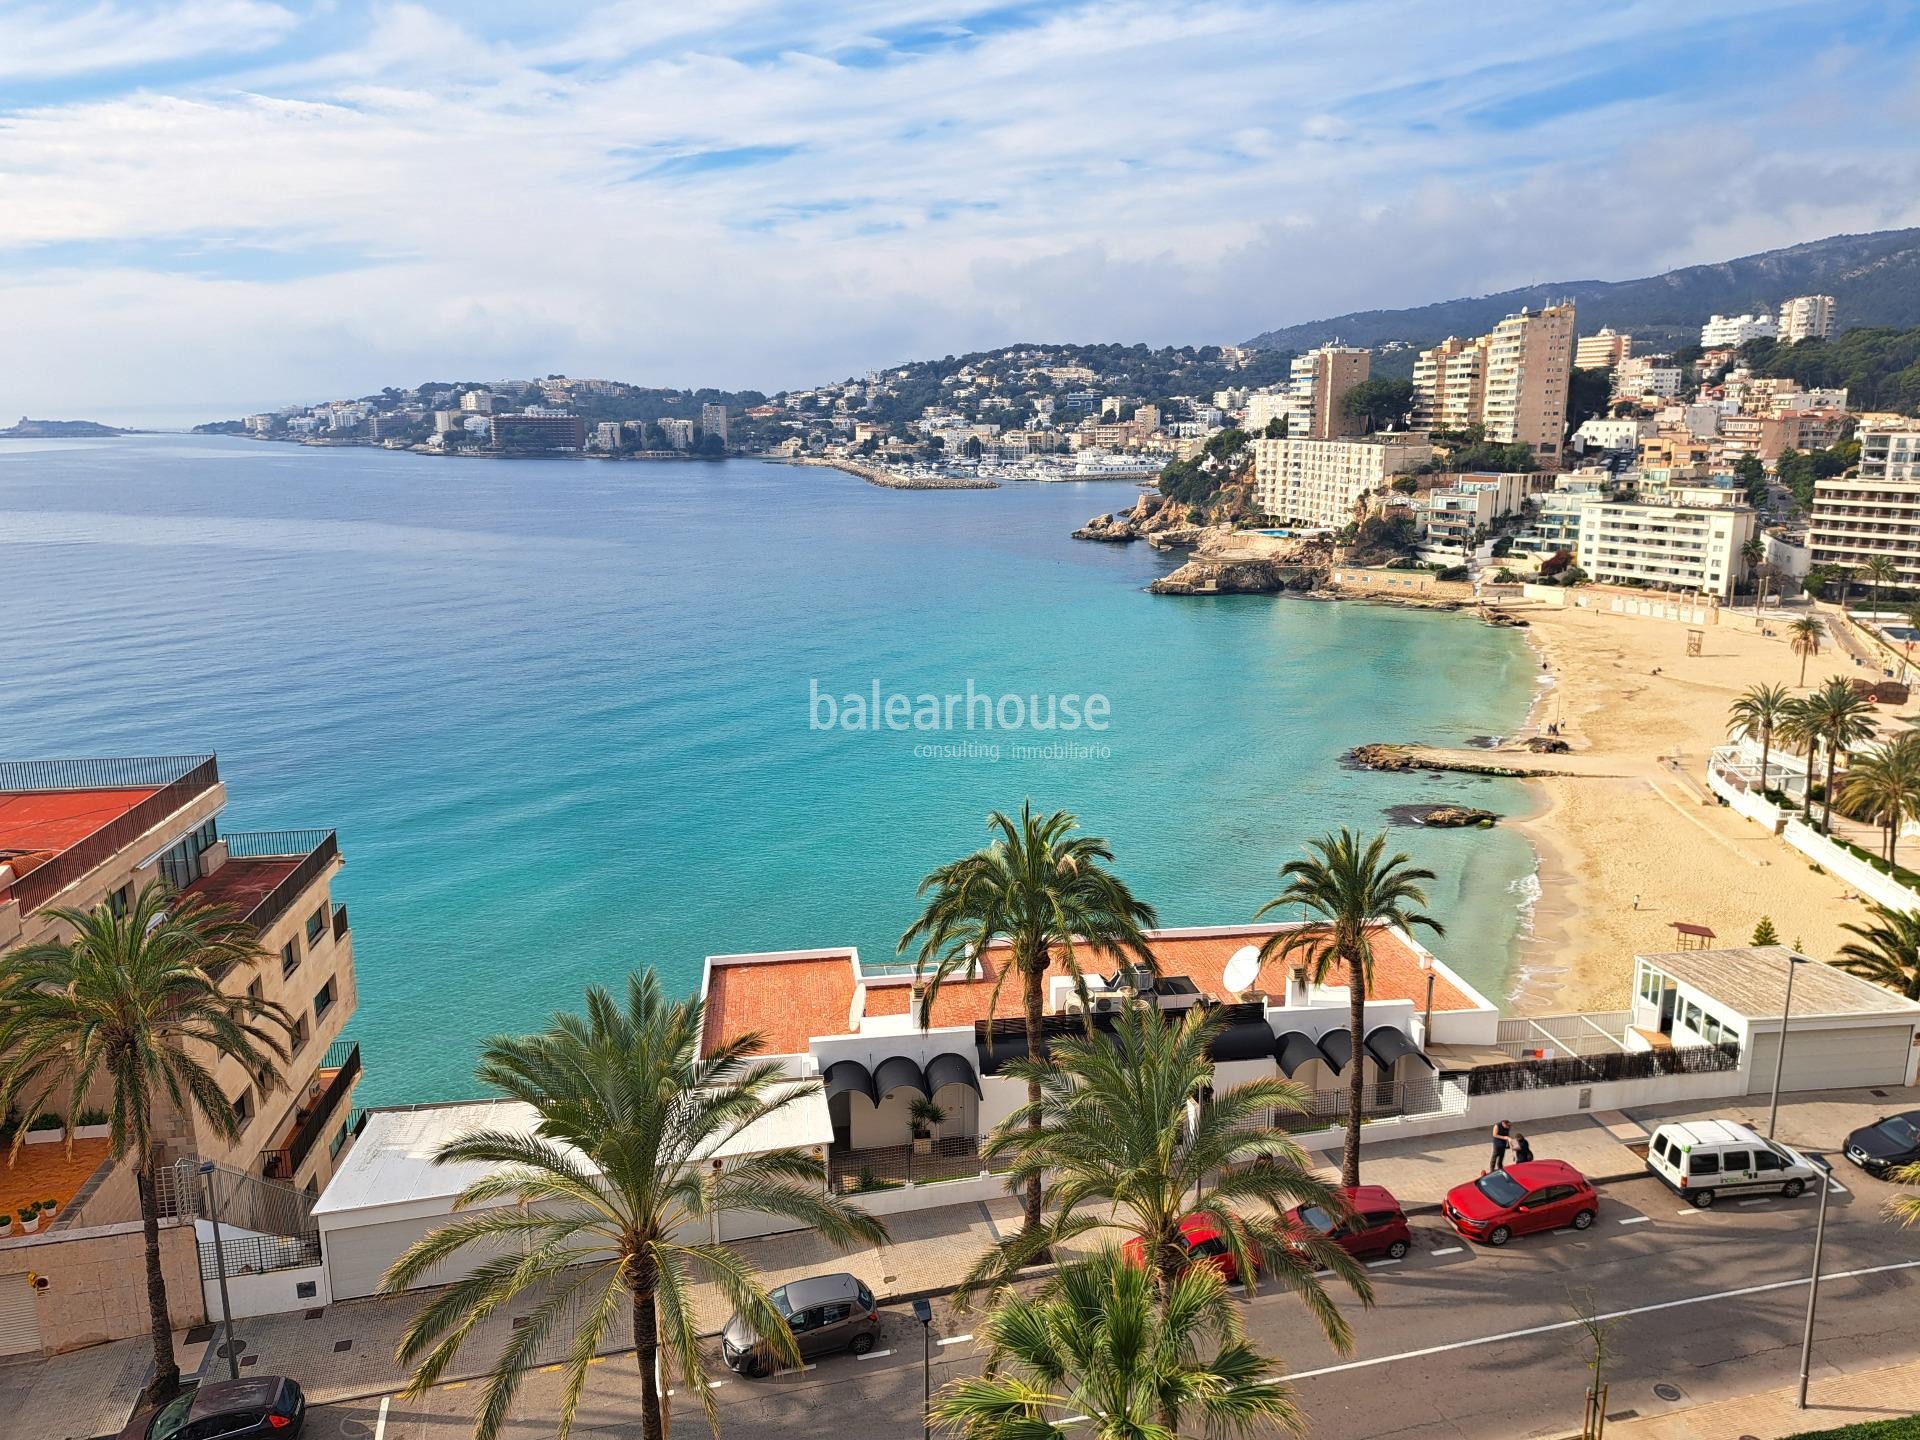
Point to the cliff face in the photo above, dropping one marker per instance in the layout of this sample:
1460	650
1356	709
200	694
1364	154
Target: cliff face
1152	515
1244	562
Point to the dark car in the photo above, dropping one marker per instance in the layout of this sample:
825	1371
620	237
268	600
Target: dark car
1533	1195
1886	1144
825	1312
225	1410
1374	1225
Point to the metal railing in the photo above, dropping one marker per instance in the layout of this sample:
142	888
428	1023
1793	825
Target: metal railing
1598	1069
120	773
887	1167
274	844
324	850
40	885
259	1254
343	1058
1378	1101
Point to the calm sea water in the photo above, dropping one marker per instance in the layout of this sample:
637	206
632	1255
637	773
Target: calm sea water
560	714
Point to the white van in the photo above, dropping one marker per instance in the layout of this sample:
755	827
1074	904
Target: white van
1702	1158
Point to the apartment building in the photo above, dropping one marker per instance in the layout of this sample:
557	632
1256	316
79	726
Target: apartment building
1449	384
713	420
1319	380
79	834
1648	376
538	431
1806	317
1670	544
1602	350
1875	511
1321	483
1735	330
1513	381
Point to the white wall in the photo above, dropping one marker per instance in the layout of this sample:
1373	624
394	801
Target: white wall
1747	802
271	1294
1850	868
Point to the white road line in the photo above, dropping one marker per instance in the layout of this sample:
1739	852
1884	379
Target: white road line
874	1355
715	1384
954	1340
380	1425
1573	1324
1376	1264
1636	1220
1450	1250
1761	1201
1836	1185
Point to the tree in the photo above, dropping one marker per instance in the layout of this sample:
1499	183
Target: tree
1764	933
1043	890
1356	890
137	1002
1883	785
1905	1208
1795	731
1276	429
1841	719
1098	1353
1886	950
1751	471
1378	404
1131	1135
1759	712
971	447
1880	570
709	446
1805	642
589	1210
1588	392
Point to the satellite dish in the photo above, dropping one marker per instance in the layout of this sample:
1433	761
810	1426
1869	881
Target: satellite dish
1242	969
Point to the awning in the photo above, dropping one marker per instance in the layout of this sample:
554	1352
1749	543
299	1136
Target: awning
1336	1048
1387	1043
1247	1040
897	1072
1293	1050
950	1069
849	1077
1003	1050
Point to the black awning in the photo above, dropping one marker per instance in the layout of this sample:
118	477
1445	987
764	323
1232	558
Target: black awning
950	1069
1336	1048
849	1077
897	1072
1001	1050
1293	1050
1248	1040
1387	1043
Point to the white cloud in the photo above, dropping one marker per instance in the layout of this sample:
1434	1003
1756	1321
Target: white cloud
52	41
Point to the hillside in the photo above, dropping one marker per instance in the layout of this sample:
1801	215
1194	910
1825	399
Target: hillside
1874	279
58	430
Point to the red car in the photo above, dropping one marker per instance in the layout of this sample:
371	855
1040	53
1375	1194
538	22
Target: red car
1201	1242
1377	1225
1535	1195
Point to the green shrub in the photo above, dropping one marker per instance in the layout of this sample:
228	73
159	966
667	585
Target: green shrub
1905	1428
45	1122
93	1117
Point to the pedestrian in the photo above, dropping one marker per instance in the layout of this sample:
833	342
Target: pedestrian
1522	1150
1501	1132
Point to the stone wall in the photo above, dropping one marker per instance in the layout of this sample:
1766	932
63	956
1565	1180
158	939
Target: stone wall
96	1286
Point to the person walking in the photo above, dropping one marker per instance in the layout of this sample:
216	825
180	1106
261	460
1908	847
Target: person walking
1522	1150
1501	1134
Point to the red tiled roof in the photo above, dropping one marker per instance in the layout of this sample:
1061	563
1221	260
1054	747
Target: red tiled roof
242	884
787	1001
37	826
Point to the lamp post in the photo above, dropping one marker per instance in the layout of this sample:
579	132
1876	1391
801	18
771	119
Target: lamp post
1813	1288
1794	962
220	1265
923	1312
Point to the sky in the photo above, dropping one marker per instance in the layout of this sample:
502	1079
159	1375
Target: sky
210	207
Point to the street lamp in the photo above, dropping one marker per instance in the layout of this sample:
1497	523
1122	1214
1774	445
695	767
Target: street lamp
1794	962
923	1312
1813	1289
220	1265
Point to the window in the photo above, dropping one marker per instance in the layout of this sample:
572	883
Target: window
804	1321
297	1041
118	901
864	1296
243	1107
1649	985
1693	1017
316	926
834	1314
181	866
289	958
323	1001
1703	1165
1766	1160
1736	1162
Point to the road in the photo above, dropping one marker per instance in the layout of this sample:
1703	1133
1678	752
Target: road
1462	1342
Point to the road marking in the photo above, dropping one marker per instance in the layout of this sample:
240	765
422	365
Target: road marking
954	1340
1574	1324
454	1385
1636	1220
380	1425
1836	1185
1376	1264
873	1355
1450	1250
548	1369
1761	1201
715	1384
598	1360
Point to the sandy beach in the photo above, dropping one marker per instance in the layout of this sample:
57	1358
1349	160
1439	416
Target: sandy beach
1634	841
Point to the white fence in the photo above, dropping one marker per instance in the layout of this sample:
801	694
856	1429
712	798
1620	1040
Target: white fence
1850	867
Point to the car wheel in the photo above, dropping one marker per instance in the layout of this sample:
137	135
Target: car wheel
860	1344
1793	1188
1583	1220
1499	1235
1397	1250
1702	1199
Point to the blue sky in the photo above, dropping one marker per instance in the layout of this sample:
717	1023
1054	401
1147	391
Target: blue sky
210	206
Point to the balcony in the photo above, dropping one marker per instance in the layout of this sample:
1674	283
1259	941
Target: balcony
267	871
333	1082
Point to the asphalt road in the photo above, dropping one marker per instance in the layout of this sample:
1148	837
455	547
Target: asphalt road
1462	1342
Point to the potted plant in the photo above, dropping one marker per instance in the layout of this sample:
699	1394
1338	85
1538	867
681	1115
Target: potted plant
29	1218
923	1115
46	1130
6	1226
47	1207
92	1125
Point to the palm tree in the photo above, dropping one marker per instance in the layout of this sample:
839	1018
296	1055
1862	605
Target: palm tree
1758	711
593	1207
1795	731
1906	1208
1806	633
137	1001
1881	571
1043	890
1841	719
1098	1353
1843	577
1355	890
1887	952
1130	1134
1883	785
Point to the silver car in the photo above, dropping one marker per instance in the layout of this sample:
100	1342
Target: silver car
826	1313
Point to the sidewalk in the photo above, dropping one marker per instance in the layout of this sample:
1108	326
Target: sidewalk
1832	1401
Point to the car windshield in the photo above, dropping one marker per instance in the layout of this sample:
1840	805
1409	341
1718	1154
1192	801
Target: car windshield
1899	1129
1317	1218
1501	1188
779	1299
172	1419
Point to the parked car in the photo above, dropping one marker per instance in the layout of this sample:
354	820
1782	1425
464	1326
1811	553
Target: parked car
229	1409
1533	1195
1886	1144
1201	1242
1376	1225
826	1313
1701	1158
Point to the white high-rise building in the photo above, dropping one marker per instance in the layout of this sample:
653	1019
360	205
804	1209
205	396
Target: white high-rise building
1806	317
713	420
1725	330
1321	483
1678	546
1529	361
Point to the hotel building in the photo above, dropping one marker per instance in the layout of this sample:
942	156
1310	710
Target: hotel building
1722	331
1602	350
1875	511
1806	317
1676	545
1320	484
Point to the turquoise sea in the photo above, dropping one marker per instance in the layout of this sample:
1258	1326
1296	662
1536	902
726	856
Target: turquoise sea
559	711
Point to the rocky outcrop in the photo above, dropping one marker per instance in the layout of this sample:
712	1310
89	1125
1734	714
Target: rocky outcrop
1456	817
1549	745
1419	757
1501	620
1207	576
1153	515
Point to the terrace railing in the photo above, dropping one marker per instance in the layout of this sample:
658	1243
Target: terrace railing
343	1058
885	1167
1427	1096
319	849
1598	1069
190	776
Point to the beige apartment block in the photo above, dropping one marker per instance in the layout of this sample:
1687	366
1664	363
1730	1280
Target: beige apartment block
1450	384
1806	317
1320	379
1669	546
1874	512
1321	484
1529	361
1603	349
